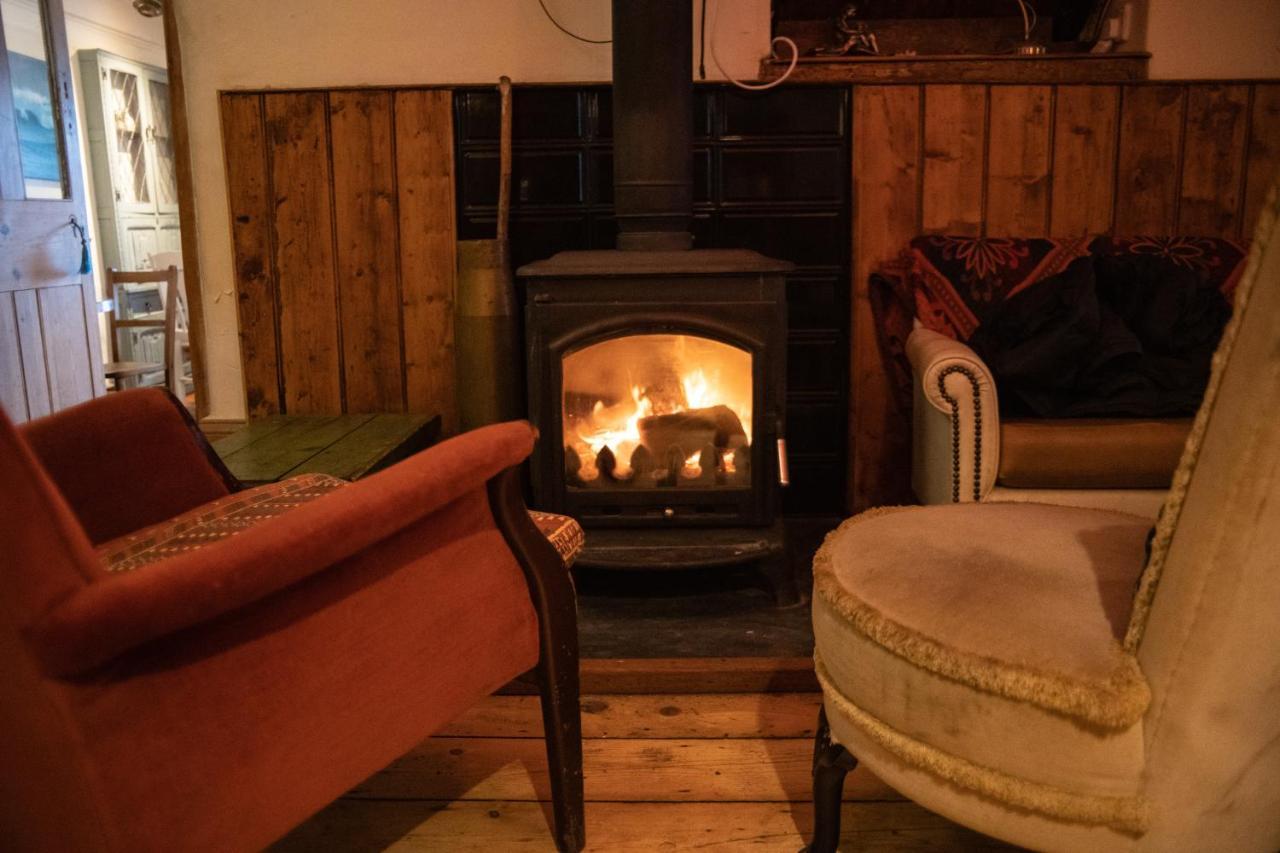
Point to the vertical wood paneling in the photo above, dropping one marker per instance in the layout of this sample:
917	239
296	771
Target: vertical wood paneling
1213	160
13	386
1264	152
1084	160
1151	124
885	200
249	191
425	182
1018	140
954	149
31	343
364	196
297	147
66	344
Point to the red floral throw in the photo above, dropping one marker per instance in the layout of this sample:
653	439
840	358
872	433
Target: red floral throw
957	282
952	284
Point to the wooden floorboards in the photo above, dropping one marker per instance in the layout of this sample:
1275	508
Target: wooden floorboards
711	772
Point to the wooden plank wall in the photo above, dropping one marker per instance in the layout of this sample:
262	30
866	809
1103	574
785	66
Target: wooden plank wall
343	220
343	237
1029	160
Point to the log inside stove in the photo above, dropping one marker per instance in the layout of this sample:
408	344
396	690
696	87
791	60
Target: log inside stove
699	448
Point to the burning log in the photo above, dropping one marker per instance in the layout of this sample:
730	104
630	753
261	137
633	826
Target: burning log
717	426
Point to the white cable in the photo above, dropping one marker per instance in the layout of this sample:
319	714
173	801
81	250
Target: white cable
753	87
1028	22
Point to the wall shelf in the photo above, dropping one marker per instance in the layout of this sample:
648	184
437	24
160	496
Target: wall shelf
967	68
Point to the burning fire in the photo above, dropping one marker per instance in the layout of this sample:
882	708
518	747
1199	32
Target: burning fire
618	427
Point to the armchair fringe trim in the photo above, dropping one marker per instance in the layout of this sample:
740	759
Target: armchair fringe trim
1130	815
1115	702
1168	520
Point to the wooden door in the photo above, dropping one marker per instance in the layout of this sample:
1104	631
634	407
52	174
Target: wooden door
50	356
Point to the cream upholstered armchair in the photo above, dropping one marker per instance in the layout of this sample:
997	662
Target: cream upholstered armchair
1027	671
964	451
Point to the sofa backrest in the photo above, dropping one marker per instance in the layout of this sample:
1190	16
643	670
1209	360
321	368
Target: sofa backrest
1204	623
45	557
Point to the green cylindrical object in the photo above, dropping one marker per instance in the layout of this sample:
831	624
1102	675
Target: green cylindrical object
485	336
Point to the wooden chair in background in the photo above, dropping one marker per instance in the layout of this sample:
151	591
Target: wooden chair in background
181	382
119	370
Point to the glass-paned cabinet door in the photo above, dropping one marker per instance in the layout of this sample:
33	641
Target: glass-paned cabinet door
127	137
160	134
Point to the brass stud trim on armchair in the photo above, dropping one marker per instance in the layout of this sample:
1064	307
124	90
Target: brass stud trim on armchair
955	430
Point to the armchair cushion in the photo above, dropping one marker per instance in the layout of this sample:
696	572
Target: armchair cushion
1032	608
563	532
238	512
213	521
981	643
1090	453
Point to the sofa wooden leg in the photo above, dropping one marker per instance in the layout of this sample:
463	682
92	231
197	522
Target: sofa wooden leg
552	594
562	727
831	763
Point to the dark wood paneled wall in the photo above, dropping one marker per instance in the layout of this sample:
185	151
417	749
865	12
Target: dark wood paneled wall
343	231
1028	160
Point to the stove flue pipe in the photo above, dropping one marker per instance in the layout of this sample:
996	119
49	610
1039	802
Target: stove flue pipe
653	123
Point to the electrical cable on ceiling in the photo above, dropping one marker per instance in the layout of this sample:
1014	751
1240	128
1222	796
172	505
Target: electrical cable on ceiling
751	87
552	19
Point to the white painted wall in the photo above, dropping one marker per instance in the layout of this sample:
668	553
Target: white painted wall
1194	39
251	44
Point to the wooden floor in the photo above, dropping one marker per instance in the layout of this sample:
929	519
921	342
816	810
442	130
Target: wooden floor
711	772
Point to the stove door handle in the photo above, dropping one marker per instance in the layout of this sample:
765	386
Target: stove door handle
784	472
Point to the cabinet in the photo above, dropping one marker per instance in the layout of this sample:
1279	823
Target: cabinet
131	152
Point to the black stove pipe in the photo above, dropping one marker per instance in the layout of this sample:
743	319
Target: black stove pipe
653	123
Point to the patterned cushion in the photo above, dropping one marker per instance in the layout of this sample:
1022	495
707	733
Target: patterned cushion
1216	260
213	521
236	512
564	534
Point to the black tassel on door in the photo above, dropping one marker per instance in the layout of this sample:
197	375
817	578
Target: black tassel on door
86	262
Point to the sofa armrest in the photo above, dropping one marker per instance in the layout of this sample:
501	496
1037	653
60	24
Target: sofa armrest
955	420
121	612
128	460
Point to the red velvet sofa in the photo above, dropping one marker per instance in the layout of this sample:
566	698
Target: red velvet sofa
214	699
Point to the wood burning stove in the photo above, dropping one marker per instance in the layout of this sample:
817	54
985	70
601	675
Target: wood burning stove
657	372
657	380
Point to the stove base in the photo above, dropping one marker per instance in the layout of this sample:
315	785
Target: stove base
689	548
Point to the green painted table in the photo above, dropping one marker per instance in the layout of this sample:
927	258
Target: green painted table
346	446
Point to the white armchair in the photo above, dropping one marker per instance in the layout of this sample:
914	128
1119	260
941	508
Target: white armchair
963	451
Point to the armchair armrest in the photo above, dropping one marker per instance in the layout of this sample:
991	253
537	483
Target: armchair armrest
955	420
111	616
128	460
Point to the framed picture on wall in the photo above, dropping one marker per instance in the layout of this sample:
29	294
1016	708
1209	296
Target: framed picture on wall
37	132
